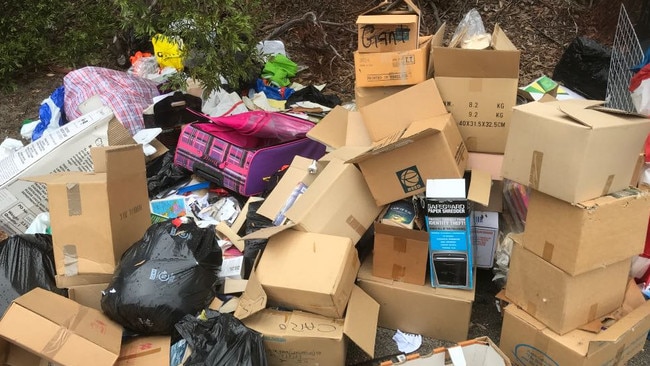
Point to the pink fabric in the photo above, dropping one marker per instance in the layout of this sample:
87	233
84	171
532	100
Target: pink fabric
128	95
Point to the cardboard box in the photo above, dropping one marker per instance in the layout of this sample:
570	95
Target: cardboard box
82	279
232	267
96	216
439	313
578	238
61	331
571	151
381	30
528	342
486	227
449	220
491	163
560	301
309	271
145	351
400	253
303	338
324	207
88	295
403	142
364	96
479	88
299	337
393	68
474	352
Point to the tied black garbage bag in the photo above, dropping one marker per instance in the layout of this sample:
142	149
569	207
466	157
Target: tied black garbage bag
221	339
26	262
172	271
163	174
252	247
584	68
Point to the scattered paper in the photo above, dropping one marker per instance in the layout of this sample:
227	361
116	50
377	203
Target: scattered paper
407	343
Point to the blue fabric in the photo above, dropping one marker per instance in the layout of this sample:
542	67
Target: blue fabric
273	92
45	113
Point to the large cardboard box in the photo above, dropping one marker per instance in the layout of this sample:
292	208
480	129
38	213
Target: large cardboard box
450	222
560	301
578	238
96	216
571	151
57	329
300	338
296	337
309	271
400	253
382	30
329	186
528	342
439	313
479	88
394	67
403	141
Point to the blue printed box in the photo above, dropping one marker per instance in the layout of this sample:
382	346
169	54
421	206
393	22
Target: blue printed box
449	223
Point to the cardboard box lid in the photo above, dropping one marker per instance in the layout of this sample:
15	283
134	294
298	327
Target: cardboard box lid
391	19
61	330
122	161
500	62
340	127
145	351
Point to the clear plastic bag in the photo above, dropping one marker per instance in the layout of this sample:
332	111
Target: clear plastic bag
471	33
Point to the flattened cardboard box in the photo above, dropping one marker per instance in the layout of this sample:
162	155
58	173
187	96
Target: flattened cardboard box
560	301
96	216
479	88
324	207
58	329
384	31
571	151
403	142
578	238
308	271
297	337
439	313
528	342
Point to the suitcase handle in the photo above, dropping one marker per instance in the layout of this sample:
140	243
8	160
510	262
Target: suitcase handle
205	172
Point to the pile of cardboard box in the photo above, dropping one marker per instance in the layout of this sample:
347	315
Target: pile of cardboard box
568	277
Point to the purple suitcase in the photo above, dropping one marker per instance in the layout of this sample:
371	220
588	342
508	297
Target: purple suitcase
216	154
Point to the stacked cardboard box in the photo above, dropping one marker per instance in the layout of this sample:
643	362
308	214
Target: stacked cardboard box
569	270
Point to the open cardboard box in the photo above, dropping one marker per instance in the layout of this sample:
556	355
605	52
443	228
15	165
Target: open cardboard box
617	338
572	151
479	88
413	138
381	30
330	186
479	351
301	337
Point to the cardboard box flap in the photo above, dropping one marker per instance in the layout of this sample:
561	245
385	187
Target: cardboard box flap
118	160
584	112
67	177
253	299
268	232
387	7
393	19
456	62
361	320
332	129
393	142
500	41
396	112
479	187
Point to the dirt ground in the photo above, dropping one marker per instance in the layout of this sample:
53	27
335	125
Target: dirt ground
322	38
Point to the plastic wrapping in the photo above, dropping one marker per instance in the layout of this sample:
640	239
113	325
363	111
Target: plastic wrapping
26	262
172	271
252	247
470	32
221	339
163	174
584	68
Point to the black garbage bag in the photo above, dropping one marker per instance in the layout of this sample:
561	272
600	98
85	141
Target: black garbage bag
221	340
172	271
584	68
26	262
163	174
252	247
311	94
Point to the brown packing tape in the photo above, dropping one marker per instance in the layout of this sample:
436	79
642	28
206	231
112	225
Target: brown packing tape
140	354
73	194
535	169
547	252
398	272
355	225
55	343
608	185
475	85
461	153
399	245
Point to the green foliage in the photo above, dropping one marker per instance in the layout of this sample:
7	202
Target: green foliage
217	35
39	33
